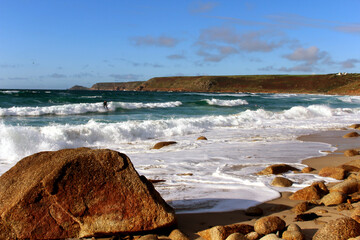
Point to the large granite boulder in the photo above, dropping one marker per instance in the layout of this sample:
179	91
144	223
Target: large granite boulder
269	224
314	192
74	193
342	228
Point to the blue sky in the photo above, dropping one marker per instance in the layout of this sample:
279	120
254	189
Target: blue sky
53	44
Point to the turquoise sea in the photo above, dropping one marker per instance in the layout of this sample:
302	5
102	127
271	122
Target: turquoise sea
246	132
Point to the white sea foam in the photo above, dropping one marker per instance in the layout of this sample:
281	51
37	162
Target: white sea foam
214	175
226	103
350	99
10	91
80	108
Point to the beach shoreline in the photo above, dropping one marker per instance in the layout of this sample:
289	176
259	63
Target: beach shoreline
193	223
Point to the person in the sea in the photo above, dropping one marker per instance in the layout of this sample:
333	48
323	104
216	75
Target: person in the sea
105	105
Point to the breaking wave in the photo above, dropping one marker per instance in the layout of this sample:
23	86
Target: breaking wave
226	103
80	108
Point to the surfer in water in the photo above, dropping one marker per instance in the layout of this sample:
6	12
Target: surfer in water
105	105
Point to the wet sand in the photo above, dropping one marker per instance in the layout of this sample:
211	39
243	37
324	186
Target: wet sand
192	223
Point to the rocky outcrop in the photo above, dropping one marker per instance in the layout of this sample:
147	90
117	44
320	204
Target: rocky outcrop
163	144
342	228
76	193
314	192
277	169
334	172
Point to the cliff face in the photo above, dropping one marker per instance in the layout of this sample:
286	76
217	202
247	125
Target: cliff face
330	84
325	84
116	86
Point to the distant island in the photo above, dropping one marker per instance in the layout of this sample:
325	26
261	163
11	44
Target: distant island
339	83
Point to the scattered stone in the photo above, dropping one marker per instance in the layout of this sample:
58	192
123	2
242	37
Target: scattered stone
293	235
270	224
344	206
202	138
301	208
163	144
307	170
354	126
185	174
351	135
176	234
342	228
351	153
222	232
254	211
277	169
306	217
281	182
346	187
75	193
334	172
252	236
294	227
236	236
314	192
333	198
149	237
153	181
272	236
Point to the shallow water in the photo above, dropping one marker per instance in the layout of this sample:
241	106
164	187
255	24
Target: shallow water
246	133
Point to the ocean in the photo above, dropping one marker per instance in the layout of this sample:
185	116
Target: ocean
246	132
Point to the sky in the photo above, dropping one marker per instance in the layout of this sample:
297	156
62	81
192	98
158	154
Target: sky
53	44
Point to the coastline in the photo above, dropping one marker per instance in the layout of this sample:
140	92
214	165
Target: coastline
190	224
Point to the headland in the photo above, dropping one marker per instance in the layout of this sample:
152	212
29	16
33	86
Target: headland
342	84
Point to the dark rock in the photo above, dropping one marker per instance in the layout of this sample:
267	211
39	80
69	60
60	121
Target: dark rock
354	126
270	224
307	170
254	211
75	193
163	144
306	217
277	169
342	228
202	138
351	134
281	182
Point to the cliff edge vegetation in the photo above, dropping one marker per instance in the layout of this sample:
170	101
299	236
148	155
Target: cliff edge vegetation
324	84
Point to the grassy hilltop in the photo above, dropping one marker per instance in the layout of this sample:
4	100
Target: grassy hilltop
329	84
325	84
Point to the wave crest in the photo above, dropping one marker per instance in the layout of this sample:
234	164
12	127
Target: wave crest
80	108
226	103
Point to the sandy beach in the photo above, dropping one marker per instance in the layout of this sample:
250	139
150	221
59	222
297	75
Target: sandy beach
282	207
